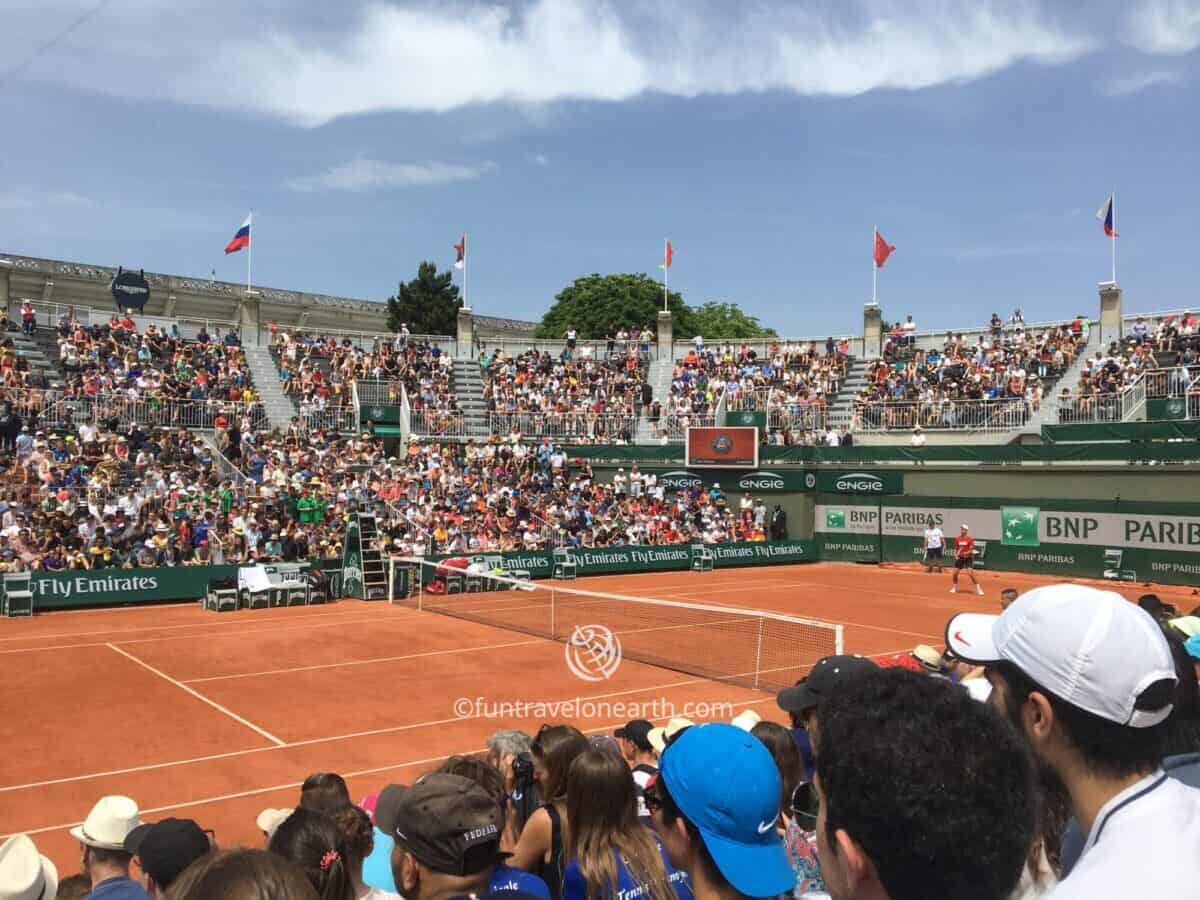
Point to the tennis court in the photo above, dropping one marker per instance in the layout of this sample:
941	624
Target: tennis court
215	717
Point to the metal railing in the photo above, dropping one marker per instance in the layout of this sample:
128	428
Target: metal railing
675	425
583	349
342	419
1172	382
1094	408
152	412
762	346
790	417
48	314
432	423
577	427
379	393
1133	400
362	340
1006	414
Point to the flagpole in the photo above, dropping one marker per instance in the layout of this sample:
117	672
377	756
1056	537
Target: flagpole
1114	238
874	267
666	272
466	302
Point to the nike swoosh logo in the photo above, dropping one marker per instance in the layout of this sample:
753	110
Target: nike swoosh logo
962	640
764	827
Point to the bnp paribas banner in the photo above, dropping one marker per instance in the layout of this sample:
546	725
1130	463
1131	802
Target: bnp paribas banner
1152	546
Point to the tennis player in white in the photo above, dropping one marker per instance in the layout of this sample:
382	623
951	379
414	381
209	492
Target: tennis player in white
934	541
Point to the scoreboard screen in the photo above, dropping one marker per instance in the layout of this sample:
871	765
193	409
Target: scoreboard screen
725	448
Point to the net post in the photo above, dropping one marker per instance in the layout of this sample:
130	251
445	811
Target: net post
838	639
553	610
758	652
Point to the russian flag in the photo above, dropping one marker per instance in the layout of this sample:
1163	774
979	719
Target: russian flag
1105	215
241	239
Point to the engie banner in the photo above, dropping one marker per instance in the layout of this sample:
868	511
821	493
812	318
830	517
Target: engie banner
1156	542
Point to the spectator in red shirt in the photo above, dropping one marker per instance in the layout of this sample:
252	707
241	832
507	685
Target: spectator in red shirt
964	560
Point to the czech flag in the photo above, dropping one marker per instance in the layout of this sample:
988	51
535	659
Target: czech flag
1105	215
460	249
241	239
882	250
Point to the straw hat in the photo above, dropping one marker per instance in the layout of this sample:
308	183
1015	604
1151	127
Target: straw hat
658	737
24	873
928	657
746	719
108	824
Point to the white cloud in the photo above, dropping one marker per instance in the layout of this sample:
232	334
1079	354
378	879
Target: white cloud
367	174
1136	82
285	60
540	159
43	200
1166	26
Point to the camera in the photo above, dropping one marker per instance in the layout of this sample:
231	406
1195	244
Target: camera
525	797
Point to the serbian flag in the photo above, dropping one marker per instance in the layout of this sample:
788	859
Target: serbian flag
241	239
668	255
882	250
1105	215
461	250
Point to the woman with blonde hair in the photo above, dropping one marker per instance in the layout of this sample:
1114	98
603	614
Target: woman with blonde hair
612	854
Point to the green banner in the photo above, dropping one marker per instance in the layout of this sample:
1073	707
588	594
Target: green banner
386	415
623	560
1166	408
746	418
781	480
860	482
112	587
352	565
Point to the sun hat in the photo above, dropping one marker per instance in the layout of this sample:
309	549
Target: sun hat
1089	647
726	783
746	719
24	873
659	737
108	824
270	819
928	658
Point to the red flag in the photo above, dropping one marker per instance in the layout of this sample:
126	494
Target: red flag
670	255
882	250
460	250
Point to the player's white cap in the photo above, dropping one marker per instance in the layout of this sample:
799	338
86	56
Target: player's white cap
1091	648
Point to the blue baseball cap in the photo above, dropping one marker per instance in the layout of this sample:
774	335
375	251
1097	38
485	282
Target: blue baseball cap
726	783
1192	646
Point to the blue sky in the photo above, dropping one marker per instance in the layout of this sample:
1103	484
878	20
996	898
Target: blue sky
572	136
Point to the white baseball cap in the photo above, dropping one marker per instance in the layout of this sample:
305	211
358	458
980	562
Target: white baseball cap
1091	648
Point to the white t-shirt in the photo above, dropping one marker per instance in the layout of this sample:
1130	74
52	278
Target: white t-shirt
1142	844
933	538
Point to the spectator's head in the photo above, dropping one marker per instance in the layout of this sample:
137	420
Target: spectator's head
923	792
553	750
311	841
634	739
782	747
715	802
357	837
324	792
24	873
928	659
802	699
74	887
1151	604
1182	728
164	850
102	838
1085	676
242	875
447	830
1007	596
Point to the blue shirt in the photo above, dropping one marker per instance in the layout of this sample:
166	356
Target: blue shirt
377	868
506	878
120	888
628	888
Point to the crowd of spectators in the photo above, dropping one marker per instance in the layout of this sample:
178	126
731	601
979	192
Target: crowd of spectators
999	379
1073	718
792	382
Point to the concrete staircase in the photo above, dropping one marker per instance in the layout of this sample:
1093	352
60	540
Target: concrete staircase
841	410
263	369
659	377
1048	414
468	391
41	350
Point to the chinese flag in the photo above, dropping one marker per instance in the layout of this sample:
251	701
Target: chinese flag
882	250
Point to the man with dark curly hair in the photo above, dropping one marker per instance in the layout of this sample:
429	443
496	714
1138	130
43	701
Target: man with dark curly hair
923	792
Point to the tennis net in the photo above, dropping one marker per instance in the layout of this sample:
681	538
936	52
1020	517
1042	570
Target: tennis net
747	647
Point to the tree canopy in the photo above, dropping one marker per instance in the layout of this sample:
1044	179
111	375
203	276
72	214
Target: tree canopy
428	304
597	304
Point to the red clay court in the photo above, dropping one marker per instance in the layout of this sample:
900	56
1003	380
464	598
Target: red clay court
215	717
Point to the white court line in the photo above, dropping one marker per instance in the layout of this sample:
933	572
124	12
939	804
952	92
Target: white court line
199	696
364	662
357	774
217	624
339	737
196	637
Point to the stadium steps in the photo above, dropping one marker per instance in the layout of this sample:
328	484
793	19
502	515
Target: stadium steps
41	351
468	393
1048	414
265	372
841	410
659	376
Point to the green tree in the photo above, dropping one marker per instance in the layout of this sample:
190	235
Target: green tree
428	304
596	304
726	321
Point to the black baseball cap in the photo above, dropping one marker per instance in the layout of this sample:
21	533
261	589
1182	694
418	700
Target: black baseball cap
448	822
636	732
824	678
164	849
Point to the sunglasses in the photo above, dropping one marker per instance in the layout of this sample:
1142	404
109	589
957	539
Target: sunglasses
805	805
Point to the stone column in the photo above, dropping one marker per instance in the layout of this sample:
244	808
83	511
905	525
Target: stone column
872	331
248	320
466	334
5	273
666	335
1111	310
